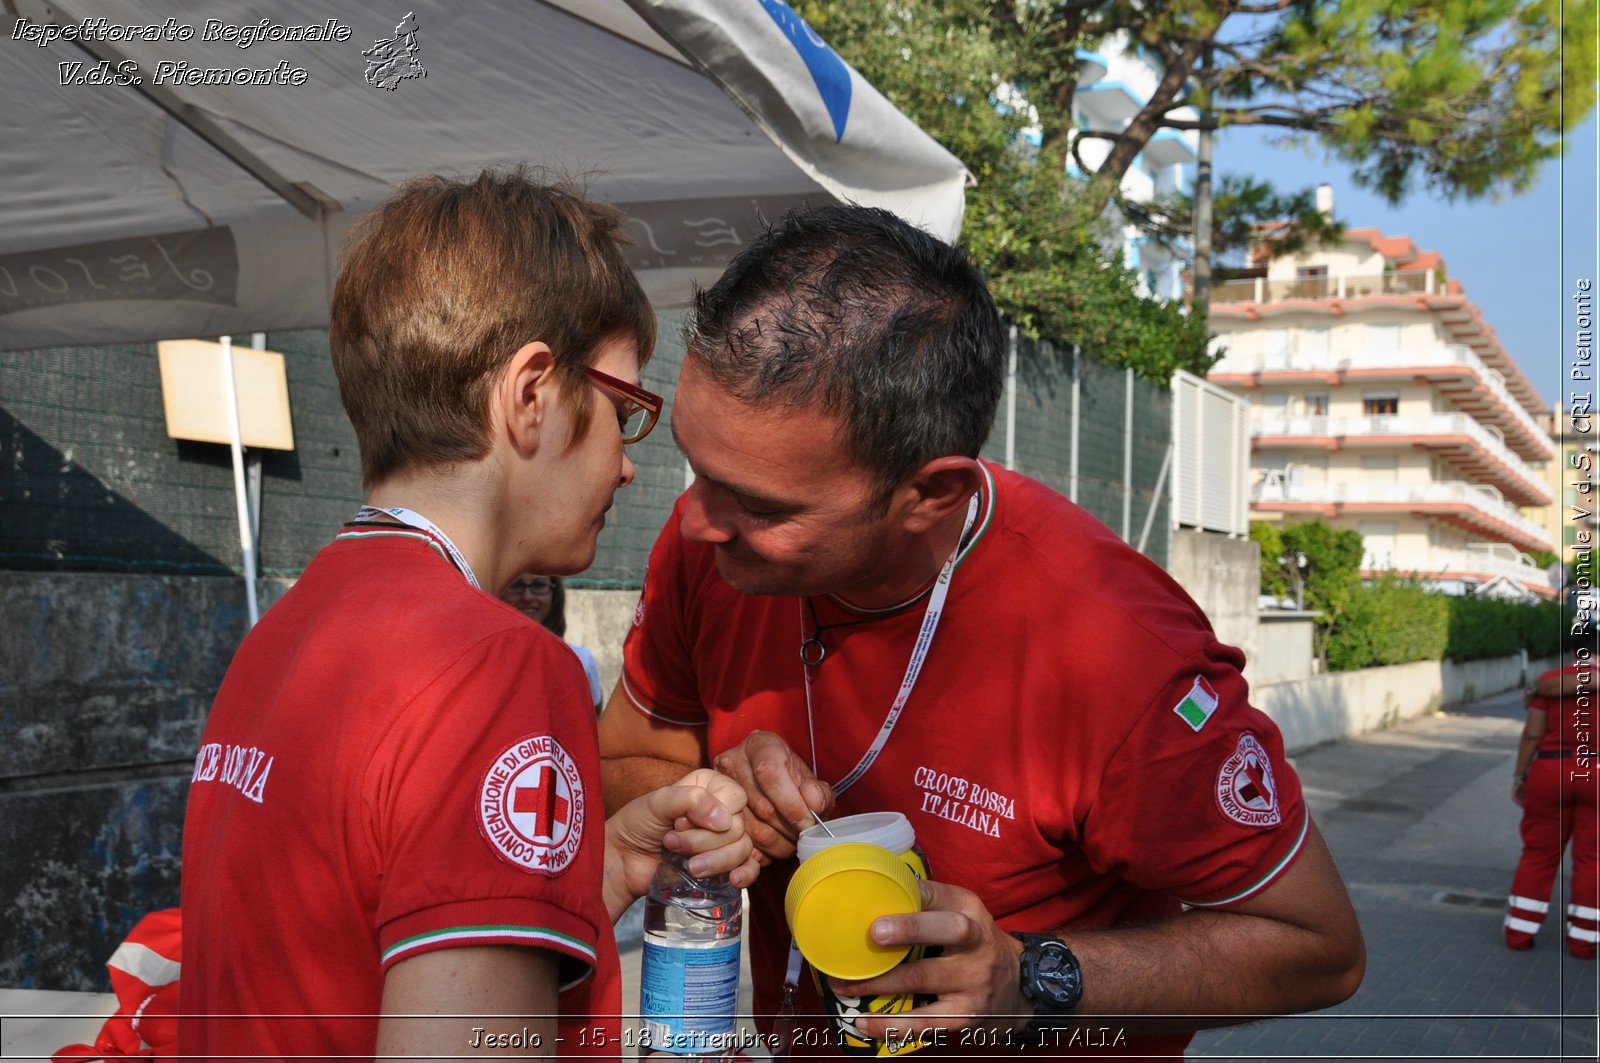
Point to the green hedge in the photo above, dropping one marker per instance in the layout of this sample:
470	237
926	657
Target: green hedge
1394	621
1486	627
1389	622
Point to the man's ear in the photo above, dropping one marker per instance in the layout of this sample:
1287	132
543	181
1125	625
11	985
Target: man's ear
938	489
521	397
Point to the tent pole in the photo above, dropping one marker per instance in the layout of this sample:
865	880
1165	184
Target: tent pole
1077	404
1127	451
1011	401
1155	498
247	543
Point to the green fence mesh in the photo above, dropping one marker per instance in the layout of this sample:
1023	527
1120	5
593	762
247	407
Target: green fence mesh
89	480
1042	441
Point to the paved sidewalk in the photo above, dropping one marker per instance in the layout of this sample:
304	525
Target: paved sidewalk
1414	815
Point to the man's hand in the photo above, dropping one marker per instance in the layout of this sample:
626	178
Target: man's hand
978	978
1294	946
784	796
701	815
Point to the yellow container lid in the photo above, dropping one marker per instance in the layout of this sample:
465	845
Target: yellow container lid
832	902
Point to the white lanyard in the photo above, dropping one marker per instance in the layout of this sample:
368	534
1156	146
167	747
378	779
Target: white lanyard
919	655
412	519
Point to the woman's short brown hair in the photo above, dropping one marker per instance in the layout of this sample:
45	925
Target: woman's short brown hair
446	281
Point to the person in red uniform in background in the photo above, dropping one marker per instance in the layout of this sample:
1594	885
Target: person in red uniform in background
1555	782
395	843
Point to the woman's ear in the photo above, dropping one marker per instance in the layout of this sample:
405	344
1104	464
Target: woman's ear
523	392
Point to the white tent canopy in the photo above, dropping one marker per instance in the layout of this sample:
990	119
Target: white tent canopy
165	209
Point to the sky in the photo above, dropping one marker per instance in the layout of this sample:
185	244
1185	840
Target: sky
1507	254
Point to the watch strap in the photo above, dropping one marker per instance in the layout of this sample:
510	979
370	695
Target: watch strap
1051	978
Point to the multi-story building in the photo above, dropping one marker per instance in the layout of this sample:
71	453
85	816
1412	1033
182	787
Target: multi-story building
1114	83
1382	401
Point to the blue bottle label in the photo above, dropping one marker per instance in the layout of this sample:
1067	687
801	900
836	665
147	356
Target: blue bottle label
687	998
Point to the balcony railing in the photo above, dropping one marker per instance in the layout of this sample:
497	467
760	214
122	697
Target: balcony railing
1483	498
1263	290
1488	559
1421	358
1434	425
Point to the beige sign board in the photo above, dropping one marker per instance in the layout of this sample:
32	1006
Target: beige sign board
195	394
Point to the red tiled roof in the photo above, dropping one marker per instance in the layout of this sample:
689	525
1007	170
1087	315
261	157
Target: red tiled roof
1426	260
1398	249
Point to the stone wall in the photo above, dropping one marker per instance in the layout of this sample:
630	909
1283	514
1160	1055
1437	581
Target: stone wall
104	690
599	620
1338	705
1222	575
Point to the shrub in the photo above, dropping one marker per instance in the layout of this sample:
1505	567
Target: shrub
1393	620
1390	621
1270	538
1490	627
1331	574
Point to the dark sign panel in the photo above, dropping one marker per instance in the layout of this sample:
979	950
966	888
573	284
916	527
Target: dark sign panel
197	266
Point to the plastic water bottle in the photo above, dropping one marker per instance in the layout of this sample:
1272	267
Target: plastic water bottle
690	978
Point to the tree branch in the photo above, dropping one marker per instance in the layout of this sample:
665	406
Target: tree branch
1077	156
1139	131
1076	7
1263	9
1168	54
1243	65
1224	119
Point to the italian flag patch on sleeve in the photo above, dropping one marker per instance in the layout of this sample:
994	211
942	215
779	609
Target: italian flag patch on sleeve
1198	705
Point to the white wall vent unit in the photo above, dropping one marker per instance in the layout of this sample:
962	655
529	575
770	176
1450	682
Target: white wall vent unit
1211	452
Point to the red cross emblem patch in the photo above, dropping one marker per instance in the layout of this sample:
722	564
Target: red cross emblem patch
530	806
1246	792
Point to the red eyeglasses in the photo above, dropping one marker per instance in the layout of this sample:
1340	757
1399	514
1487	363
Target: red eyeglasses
638	410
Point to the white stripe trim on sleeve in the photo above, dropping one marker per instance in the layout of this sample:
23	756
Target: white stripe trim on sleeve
144	963
652	713
1527	904
1305	826
508	934
1513	923
1578	933
1579	911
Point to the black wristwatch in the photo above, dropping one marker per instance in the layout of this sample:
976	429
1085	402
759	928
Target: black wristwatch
1051	978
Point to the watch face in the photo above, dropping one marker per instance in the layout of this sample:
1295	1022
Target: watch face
1057	981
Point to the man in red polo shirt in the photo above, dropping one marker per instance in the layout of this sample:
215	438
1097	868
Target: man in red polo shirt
849	612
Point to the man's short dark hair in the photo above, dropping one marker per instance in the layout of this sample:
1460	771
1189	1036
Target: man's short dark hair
877	322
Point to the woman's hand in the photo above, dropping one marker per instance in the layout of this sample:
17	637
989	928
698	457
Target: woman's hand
700	816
